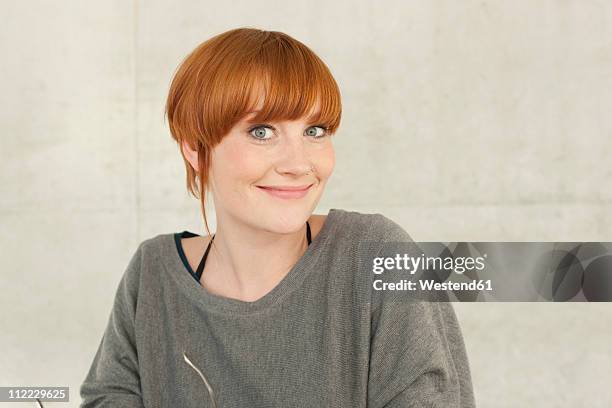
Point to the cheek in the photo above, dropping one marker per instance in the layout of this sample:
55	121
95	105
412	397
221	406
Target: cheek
325	162
234	165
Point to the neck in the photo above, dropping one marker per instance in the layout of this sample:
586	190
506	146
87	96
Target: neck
246	263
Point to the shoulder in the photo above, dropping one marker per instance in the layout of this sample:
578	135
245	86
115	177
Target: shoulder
370	227
148	251
154	243
147	263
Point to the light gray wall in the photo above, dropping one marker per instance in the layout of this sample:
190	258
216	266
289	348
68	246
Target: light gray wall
470	120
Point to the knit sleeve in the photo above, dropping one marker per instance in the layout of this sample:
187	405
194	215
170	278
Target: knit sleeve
113	379
417	353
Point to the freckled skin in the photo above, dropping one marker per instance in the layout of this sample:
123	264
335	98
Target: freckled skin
240	162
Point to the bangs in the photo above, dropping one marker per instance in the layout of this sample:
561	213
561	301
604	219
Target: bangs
278	77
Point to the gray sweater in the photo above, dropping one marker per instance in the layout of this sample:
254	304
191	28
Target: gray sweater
310	342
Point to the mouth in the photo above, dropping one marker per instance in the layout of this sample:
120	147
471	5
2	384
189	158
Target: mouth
286	192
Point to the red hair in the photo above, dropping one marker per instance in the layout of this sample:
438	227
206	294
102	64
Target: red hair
224	77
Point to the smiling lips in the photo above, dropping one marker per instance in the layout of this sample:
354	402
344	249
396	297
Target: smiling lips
287	192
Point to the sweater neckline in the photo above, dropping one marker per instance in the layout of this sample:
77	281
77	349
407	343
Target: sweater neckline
212	302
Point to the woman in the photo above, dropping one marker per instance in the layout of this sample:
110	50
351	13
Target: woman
269	311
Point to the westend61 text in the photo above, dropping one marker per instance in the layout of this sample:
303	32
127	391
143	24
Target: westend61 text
404	284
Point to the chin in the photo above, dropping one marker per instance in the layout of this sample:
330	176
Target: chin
285	220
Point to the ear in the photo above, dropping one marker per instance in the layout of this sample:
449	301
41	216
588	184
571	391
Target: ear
191	155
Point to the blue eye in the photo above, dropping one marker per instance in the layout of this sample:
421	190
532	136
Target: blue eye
259	132
312	131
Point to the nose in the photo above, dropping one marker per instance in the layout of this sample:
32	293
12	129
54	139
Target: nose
294	157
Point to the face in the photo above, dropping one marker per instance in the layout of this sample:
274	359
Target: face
255	157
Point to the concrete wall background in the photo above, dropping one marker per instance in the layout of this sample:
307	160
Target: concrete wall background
471	120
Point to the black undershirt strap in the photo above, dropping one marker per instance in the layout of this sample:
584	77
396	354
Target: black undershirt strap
203	261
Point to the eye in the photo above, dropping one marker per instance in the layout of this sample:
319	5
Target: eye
260	132
316	131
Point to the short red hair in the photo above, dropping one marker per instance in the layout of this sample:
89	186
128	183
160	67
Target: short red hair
222	79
